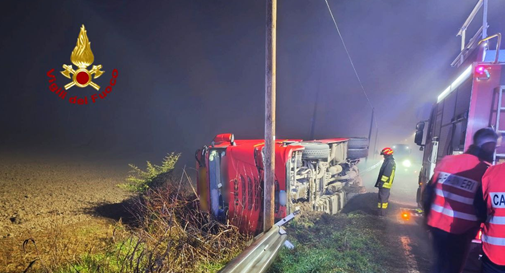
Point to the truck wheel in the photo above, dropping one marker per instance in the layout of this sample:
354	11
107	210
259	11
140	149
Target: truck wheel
357	143
315	150
357	153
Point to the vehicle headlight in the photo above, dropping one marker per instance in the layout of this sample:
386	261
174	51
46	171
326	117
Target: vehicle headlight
406	163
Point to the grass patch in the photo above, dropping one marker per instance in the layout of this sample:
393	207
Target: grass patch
344	243
111	259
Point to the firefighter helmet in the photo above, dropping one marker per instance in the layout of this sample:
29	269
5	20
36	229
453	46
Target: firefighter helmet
387	151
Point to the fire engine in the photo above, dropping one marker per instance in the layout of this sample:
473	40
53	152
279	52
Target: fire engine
471	102
311	175
474	100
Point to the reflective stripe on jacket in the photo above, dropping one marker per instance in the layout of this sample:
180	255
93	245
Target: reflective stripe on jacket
386	173
456	180
493	235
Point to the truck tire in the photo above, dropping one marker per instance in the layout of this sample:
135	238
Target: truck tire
315	150
357	153
358	143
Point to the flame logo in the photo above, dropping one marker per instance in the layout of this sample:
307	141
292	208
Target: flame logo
82	56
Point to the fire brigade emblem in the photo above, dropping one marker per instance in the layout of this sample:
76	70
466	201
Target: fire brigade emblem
82	57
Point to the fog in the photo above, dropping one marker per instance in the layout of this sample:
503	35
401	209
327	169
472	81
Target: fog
191	69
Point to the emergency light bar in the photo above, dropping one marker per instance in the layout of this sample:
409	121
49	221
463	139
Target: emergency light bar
455	84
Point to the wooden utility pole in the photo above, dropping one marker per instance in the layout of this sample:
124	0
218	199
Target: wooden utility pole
269	149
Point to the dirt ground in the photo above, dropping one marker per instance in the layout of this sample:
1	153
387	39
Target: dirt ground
42	197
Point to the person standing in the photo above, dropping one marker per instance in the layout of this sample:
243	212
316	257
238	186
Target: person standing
449	202
385	179
493	216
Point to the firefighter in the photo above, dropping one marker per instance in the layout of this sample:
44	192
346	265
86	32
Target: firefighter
385	179
449	201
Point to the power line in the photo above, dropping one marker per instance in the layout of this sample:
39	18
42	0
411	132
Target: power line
349	56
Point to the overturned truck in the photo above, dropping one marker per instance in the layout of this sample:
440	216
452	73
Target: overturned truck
314	175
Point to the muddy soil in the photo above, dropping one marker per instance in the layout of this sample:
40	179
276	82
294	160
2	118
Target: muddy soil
38	192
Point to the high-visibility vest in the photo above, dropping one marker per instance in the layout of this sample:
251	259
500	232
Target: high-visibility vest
388	180
456	178
493	234
386	174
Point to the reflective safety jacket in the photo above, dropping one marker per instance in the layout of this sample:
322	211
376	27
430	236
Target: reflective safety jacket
493	235
386	173
455	182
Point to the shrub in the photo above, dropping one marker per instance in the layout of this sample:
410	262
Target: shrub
139	180
173	235
178	237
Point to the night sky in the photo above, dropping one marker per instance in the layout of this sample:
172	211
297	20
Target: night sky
191	69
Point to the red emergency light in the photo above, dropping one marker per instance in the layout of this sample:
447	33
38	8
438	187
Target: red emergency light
482	72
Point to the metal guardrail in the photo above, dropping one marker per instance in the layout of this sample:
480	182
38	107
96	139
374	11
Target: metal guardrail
258	257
